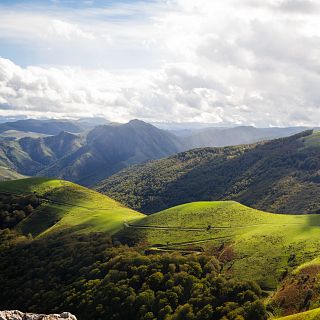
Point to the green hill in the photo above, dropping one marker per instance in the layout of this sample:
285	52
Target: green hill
309	315
276	176
256	245
73	264
65	205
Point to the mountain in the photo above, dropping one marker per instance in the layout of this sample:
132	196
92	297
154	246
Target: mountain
221	137
89	157
9	174
110	148
277	176
49	149
28	156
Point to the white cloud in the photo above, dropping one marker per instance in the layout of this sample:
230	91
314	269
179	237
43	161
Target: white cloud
68	30
244	62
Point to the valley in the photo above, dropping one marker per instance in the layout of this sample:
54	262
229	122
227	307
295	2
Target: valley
274	250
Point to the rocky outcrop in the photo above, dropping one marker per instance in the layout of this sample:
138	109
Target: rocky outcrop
18	315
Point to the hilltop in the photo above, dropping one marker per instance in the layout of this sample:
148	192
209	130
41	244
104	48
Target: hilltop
259	244
277	176
67	206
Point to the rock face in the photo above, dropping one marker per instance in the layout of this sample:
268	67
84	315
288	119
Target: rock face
18	315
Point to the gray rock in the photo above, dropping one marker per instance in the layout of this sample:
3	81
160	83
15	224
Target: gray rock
18	315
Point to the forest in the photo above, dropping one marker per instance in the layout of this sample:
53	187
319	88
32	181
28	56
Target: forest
89	275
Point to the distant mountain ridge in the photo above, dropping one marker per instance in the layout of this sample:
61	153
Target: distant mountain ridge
277	176
84	152
222	137
91	157
109	149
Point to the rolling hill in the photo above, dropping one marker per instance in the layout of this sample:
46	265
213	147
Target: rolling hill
70	225
278	251
277	176
69	261
308	315
261	243
67	206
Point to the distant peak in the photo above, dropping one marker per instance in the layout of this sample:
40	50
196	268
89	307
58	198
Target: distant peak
138	123
134	121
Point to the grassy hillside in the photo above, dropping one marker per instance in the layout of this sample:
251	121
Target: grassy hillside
257	245
74	264
276	176
309	315
65	205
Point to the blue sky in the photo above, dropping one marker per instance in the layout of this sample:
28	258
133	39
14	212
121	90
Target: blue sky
32	52
239	62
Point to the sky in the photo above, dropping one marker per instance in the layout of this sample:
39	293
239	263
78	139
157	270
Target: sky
231	62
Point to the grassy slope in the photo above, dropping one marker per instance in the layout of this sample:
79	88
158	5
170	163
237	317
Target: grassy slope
309	315
79	208
260	243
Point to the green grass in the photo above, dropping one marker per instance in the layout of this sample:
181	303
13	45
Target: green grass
261	244
309	315
79	208
312	140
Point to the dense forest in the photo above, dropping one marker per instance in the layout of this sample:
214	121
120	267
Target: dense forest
277	176
89	276
14	209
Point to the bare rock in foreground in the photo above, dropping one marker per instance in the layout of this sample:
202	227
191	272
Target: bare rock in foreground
18	315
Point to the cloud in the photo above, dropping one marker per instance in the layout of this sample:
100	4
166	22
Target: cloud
68	30
239	62
297	6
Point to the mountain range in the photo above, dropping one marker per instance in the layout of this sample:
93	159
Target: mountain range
277	176
87	151
190	251
89	156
